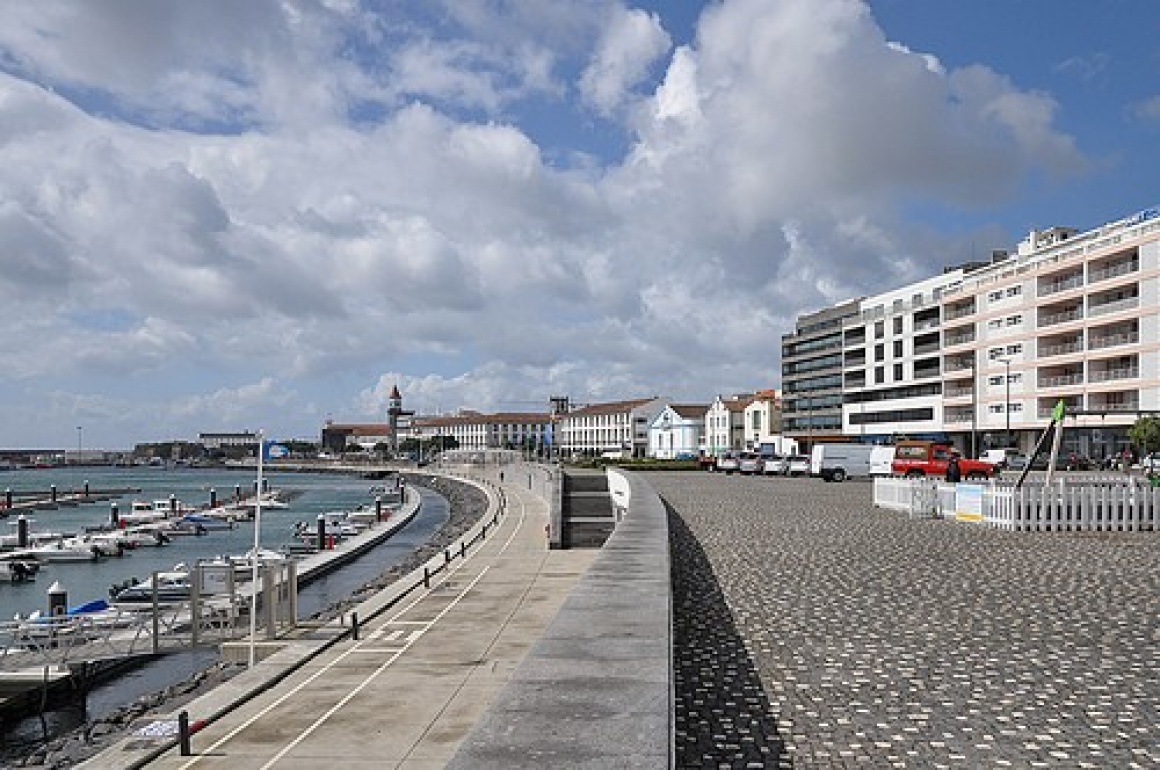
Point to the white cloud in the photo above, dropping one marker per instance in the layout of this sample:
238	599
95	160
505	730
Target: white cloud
630	44
309	253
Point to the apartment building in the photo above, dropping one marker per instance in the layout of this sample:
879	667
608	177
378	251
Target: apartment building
762	419
812	360
617	426
981	354
475	430
1071	316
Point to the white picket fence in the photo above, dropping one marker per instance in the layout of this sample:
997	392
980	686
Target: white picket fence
1079	504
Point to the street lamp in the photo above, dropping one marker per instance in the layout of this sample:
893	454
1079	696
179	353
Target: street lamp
974	405
80	434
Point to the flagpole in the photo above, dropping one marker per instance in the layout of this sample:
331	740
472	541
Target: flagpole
254	555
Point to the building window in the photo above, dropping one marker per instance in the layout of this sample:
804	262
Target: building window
995	323
898	324
879	352
1014	291
1014	350
879	330
1014	320
897	372
879	375
898	348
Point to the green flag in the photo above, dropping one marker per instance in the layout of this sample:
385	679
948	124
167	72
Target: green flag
1057	412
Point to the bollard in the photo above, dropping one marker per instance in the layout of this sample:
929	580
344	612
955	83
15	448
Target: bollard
426	577
446	555
183	733
52	491
8	499
237	492
354	626
462	549
321	531
21	531
212	497
172	505
114	516
57	599
86	489
379	508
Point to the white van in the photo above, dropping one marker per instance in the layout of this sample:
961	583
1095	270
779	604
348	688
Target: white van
838	462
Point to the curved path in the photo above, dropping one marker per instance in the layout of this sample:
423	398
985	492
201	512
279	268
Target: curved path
406	693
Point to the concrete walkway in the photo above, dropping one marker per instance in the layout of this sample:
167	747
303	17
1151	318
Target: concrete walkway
406	693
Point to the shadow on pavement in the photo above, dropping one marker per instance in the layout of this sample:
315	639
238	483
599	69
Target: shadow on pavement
722	715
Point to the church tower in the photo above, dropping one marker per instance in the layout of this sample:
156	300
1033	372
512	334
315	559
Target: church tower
395	411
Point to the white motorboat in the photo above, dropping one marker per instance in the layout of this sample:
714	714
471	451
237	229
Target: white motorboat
170	587
63	550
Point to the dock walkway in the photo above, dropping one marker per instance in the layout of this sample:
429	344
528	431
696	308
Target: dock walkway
353	701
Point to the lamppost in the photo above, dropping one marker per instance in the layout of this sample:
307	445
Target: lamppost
80	434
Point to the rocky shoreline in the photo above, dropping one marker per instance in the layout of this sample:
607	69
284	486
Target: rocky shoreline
466	505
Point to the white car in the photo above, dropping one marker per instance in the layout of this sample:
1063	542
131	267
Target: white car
776	465
798	465
748	464
1150	462
728	463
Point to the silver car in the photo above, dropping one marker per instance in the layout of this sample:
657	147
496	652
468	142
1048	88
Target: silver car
775	465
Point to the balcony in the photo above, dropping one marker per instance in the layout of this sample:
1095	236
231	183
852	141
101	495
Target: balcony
960	339
1107	375
958	392
1054	286
1060	380
959	311
1115	306
1101	341
1060	347
920	326
957	415
1052	319
930	347
1114	269
1127	401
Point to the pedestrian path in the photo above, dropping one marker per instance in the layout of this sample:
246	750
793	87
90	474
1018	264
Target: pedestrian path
410	688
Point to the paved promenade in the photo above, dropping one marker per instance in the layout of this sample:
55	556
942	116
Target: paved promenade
406	693
813	630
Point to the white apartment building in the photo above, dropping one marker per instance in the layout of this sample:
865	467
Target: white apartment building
619	426
1071	316
473	430
981	354
725	424
892	362
676	431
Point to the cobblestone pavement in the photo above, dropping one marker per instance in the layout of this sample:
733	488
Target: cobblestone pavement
813	630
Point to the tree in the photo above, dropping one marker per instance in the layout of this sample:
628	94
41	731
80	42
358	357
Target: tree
1145	434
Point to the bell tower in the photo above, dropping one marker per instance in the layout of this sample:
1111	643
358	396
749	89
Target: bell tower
395	411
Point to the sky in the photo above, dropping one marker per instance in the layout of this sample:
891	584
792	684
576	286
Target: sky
222	216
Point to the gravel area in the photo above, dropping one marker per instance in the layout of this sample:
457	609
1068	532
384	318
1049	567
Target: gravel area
813	630
466	505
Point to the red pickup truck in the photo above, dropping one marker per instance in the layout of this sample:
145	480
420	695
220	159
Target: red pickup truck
929	458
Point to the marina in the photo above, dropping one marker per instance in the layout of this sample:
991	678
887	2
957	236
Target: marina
313	494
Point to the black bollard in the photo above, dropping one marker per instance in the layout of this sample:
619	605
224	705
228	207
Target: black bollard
52	491
379	508
183	733
86	489
237	492
8	499
354	626
321	531
114	516
212	497
22	531
172	505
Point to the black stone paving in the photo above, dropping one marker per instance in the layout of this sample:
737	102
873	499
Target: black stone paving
813	630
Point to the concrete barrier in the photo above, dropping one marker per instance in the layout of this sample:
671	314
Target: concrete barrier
596	689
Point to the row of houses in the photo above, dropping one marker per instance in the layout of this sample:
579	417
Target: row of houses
644	427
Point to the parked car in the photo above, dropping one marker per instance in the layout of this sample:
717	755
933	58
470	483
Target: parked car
728	463
748	464
1150	463
775	465
797	465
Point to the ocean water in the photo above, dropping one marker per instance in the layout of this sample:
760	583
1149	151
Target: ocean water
316	493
